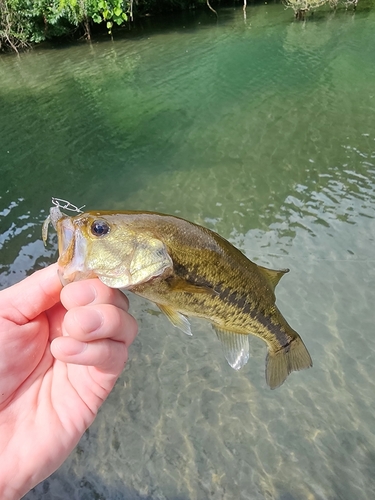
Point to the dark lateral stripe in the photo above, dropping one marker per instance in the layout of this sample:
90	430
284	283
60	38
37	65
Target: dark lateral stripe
191	275
234	299
241	302
275	329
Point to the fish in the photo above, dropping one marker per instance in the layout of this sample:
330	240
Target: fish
187	270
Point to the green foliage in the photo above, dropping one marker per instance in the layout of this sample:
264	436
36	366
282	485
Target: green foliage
110	11
26	21
23	22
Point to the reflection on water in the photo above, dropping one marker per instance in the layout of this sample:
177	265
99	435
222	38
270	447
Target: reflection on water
264	132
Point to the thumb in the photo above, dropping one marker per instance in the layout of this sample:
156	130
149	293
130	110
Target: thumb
24	301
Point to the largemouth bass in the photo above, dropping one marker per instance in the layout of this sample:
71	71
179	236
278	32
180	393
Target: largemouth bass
187	270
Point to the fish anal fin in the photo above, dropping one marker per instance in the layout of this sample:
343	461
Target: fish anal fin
279	364
177	319
235	347
273	276
177	284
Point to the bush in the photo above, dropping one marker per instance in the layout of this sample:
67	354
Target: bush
23	22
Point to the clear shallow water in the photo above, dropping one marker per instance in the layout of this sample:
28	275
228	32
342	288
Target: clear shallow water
265	132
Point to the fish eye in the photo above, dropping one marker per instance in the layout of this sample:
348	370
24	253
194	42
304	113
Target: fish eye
99	228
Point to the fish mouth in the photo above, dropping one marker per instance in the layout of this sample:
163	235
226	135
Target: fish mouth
72	252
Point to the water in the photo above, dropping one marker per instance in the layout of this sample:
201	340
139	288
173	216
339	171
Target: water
262	130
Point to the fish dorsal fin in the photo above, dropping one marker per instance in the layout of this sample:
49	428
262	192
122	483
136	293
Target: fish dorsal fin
178	284
273	276
177	319
235	347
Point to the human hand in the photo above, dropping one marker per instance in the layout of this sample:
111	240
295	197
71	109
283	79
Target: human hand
62	351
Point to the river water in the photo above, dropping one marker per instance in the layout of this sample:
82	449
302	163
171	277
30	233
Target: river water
262	129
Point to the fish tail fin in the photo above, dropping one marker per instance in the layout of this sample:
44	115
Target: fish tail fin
279	364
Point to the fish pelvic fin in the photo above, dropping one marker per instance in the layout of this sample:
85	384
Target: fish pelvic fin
235	347
177	319
280	363
273	276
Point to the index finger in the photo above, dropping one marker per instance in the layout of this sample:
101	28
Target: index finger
24	301
92	292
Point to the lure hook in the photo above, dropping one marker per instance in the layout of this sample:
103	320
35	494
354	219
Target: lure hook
66	205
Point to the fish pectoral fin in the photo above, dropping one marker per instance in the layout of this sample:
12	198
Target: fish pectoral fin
177	319
235	347
273	276
177	284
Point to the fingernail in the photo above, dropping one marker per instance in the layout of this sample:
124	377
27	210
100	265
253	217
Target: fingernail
70	347
88	319
82	293
91	294
87	293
